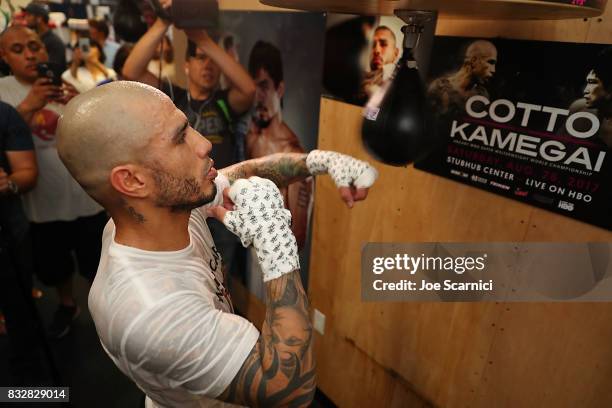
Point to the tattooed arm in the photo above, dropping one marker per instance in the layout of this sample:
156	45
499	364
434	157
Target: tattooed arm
352	177
280	370
282	168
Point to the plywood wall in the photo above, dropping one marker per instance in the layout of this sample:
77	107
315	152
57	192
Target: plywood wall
450	355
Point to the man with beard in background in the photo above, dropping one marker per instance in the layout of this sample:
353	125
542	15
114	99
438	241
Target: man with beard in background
382	61
269	134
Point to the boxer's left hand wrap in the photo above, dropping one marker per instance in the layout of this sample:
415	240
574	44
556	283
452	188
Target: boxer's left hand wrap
344	170
260	219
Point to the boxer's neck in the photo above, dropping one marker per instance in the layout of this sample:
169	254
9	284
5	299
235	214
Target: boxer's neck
158	231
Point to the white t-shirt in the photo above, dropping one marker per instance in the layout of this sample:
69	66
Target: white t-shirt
85	81
57	196
166	320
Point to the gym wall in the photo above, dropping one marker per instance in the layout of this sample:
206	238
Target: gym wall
451	354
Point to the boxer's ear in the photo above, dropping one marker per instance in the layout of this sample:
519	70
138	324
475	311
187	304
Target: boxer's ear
131	180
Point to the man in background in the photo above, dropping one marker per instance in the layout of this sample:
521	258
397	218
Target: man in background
63	218
18	173
37	18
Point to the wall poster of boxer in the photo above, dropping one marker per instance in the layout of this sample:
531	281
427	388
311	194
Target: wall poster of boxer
283	52
529	120
360	55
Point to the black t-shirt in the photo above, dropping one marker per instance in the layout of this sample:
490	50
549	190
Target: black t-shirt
14	136
213	118
55	48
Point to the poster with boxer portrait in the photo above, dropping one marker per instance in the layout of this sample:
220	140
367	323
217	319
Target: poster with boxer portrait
283	53
529	120
360	55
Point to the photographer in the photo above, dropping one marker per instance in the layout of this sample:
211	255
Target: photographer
209	109
63	218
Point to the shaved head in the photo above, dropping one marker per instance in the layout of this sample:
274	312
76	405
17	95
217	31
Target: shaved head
109	126
22	49
480	49
481	59
12	30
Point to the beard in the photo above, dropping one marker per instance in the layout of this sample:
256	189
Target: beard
260	122
260	118
180	194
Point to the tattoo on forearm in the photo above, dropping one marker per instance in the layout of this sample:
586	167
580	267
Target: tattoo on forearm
280	369
282	168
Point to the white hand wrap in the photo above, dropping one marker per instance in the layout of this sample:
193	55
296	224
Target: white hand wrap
260	219
344	170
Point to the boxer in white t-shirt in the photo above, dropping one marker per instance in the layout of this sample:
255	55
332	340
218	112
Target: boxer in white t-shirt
158	301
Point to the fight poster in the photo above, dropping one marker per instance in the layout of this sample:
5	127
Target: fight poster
525	119
360	55
283	53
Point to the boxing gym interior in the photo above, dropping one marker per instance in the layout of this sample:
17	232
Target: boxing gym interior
442	176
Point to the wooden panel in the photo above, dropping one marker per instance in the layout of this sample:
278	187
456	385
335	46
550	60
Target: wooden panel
437	360
550	355
252	5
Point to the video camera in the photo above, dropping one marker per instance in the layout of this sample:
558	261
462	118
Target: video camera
133	17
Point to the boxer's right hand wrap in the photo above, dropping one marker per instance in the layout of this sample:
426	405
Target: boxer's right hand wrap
343	169
260	219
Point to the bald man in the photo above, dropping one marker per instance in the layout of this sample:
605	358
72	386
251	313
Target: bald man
448	93
158	301
64	219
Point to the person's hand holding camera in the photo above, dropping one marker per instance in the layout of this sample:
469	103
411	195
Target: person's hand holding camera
67	93
41	93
